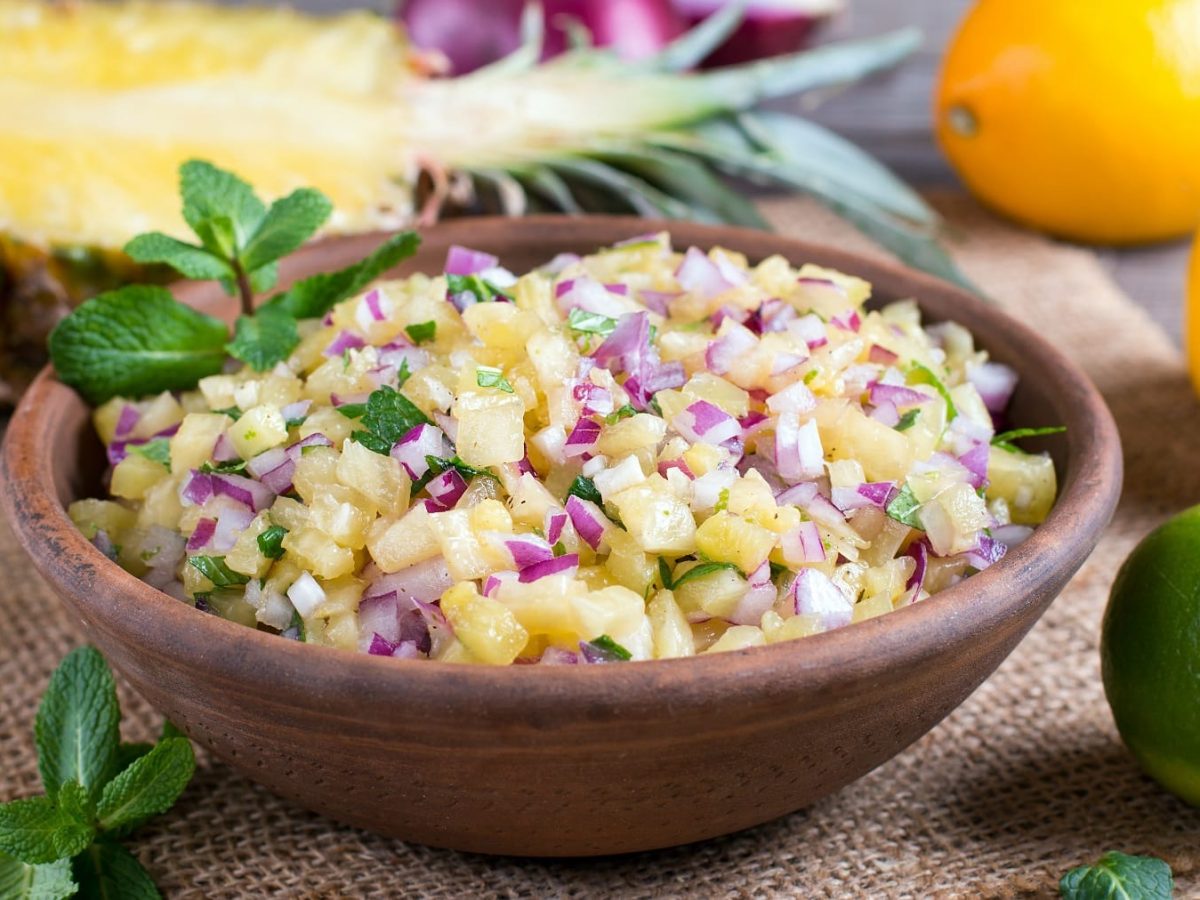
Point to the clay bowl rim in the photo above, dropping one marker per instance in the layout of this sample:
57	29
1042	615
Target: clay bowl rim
164	626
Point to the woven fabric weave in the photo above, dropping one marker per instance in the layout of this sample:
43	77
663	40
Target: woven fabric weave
1024	781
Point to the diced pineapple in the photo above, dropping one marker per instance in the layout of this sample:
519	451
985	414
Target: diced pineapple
725	537
672	633
491	428
716	390
703	458
615	611
342	596
135	476
555	358
319	553
630	435
338	511
106	417
328	421
752	497
258	430
777	628
1025	481
161	505
91	516
528	498
870	607
886	543
192	446
246	557
289	513
888	580
218	391
627	563
398	544
456	652
658	520
232	605
379	478
546	606
315	471
715	594
343	375
953	518
502	327
158	415
848	433
341	630
739	637
486	627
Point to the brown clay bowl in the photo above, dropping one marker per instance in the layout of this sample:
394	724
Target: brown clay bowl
581	760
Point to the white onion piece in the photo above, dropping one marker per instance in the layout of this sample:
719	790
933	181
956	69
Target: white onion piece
306	595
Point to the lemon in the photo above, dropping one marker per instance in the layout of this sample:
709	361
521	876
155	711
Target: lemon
1150	654
1079	119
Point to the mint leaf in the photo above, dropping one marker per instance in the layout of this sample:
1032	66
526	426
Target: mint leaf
605	649
289	222
904	508
919	373
158	449
149	786
908	419
270	542
722	503
664	574
1004	440
617	415
187	259
490	376
36	830
473	289
135	341
48	881
590	322
372	442
312	297
389	416
76	730
219	207
1116	876
229	467
421	332
353	410
214	569
705	568
585	489
129	753
107	871
263	340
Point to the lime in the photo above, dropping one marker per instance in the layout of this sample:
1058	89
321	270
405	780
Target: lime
1150	654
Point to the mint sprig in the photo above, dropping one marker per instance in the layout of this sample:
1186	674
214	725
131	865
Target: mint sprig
1004	440
139	340
1116	875
97	790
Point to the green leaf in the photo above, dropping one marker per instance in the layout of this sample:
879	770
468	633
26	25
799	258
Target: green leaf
37	830
48	881
270	542
480	289
157	449
1117	876
352	410
664	574
722	503
312	297
1004	440
107	871
135	341
214	569
421	332
372	442
148	787
438	465
637	193
128	753
490	376
590	322
907	420
229	467
264	339
919	373
77	724
705	568
219	207
689	50
187	259
390	415
550	186
904	508
585	489
617	415
170	730
609	649
289	222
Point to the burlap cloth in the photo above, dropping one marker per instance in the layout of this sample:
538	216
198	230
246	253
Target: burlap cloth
1027	779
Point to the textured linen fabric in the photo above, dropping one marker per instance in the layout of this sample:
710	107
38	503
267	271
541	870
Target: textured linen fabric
1024	781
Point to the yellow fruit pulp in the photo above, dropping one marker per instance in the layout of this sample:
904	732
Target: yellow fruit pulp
1079	119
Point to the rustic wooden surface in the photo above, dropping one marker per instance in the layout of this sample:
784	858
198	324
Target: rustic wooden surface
891	118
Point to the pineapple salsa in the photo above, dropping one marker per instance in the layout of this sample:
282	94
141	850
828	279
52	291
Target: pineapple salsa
636	454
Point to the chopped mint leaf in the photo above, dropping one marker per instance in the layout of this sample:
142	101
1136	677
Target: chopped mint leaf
296	630
490	376
229	467
403	374
705	568
312	297
157	449
777	570
590	322
353	410
1117	875
214	569
664	574
48	881
421	332
76	730
264	339
919	373
389	416
233	412
135	341
904	508
1004	440
810	376
908	419
617	415
148	787
438	465
722	501
372	442
605	649
479	289
559	549
270	542
585	489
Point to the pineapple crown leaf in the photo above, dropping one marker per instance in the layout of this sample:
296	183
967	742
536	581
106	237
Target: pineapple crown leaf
690	48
